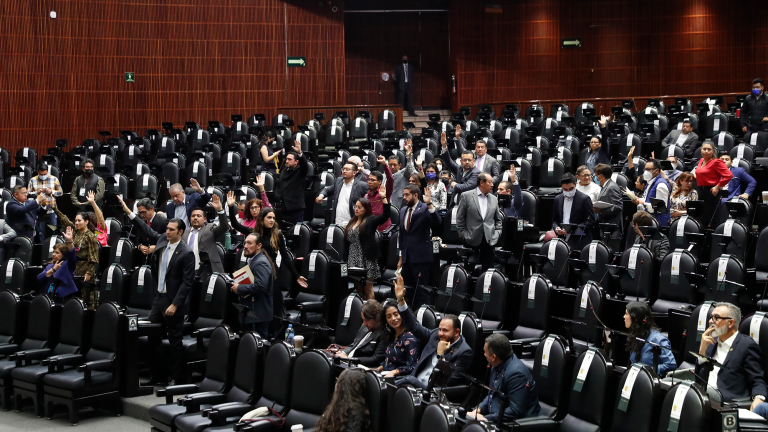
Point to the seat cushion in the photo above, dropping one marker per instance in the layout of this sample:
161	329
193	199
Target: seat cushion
166	413
491	325
6	366
192	423
73	380
663	306
33	374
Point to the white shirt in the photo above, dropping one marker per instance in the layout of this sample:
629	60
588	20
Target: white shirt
195	245
482	200
480	162
681	139
662	193
171	248
567	204
723	347
342	205
592	190
362	341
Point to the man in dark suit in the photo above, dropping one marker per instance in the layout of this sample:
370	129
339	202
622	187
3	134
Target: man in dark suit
443	343
404	79
21	214
575	208
181	205
465	175
754	110
366	347
256	297
741	376
417	222
610	194
483	161
510	195
290	188
146	235
479	220
146	210
344	193
201	236
174	263
741	180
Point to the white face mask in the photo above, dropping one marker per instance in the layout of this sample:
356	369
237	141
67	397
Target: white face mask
570	193
43	177
647	176
439	167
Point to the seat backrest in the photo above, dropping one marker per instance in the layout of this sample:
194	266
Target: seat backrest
141	294
551	171
587	392
587	306
550	366
756	327
105	334
530	200
453	282
674	285
534	315
332	237
719	287
71	337
315	269
214	298
218	369
114	284
556	266
393	253
48	246
694	413
491	288
39	323
299	235
23	253
678	229
248	374
349	320
278	372
472	330
697	324
376	400
9	302
757	139
311	388
634	412
122	253
427	317
597	255
404	410
636	281
438	418
761	259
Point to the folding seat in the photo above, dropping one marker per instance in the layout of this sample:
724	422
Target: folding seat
114	231
29	371
586	309
552	361
231	164
216	127
730	237
697	324
635	277
20	180
450	233
439	418
626	142
167	145
130	154
558	111
454	284
117	184
694	412
533	317
547	128
199	172
200	138
761	259
427	317
48	245
29	154
725	281
104	165
565	154
491	288
113	286
648	110
298	239
737	208
594	256
170	173
334	135
534	114
11	333
591	375
553	261
136	170
521	125
14	271
97	375
358	130
218	378
636	402
310	302
550	173
676	291
383	292
759	140
349	320
387	121
40	331
122	253
673	150
714	124
743	152
578	113
332	241
141	296
495	127
524	173
510	137
470	127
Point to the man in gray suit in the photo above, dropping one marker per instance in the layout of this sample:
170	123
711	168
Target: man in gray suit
684	138
201	236
7	234
483	162
400	176
345	191
611	194
479	220
465	175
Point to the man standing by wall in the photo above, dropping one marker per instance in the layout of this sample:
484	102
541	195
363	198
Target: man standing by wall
404	79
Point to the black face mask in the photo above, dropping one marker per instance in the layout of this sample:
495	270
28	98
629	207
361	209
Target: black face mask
88	172
405	61
446	182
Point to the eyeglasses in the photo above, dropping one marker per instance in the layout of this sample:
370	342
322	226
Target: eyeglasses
346	169
718	318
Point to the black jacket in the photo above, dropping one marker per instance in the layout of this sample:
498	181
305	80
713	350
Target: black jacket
742	374
372	352
180	274
359	190
290	188
753	111
400	77
368	238
582	214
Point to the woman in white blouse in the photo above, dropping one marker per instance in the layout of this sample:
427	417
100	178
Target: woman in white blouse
586	185
439	194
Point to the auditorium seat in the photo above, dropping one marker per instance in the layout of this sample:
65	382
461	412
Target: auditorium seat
552	261
635	403
551	364
758	140
697	324
404	411
684	231
309	307
675	290
491	289
552	170
438	418
333	242
428	317
587	308
533	317
349	320
636	282
113	284
756	327
311	389
454	284
594	256
694	413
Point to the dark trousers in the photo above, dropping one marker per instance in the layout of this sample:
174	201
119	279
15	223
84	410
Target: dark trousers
262	328
410	273
412	380
486	253
296	215
707	215
172	366
405	98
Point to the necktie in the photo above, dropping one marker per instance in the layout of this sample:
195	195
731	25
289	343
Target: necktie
192	239
408	220
163	269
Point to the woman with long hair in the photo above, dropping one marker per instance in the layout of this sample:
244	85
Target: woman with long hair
682	193
361	234
711	177
402	346
269	156
85	241
639	321
56	277
439	194
347	411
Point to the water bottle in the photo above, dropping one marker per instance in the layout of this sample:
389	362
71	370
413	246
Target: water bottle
289	334
228	241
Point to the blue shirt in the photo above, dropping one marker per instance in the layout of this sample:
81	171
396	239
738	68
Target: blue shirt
666	359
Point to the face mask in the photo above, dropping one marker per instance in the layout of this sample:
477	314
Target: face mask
88	172
431	176
43	177
647	176
241	215
756	92
570	193
446	182
594	179
439	167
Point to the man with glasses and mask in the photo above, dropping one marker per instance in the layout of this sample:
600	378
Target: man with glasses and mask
574	208
345	191
754	110
85	183
741	376
465	175
657	187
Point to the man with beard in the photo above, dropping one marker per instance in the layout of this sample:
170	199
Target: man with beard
741	375
256	297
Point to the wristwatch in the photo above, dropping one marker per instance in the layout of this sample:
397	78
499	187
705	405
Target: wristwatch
761	397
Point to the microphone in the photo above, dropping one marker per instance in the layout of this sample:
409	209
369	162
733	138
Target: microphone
565	264
449	298
719	202
418	280
637	292
338	255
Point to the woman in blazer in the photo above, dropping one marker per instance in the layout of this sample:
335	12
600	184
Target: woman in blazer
361	234
57	279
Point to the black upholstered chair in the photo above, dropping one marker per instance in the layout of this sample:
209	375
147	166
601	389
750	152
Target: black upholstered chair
636	282
376	400
695	412
310	303
113	284
551	363
637	414
439	418
491	288
311	389
404	410
349	320
533	317
676	291
141	295
585	335
555	262
454	282
428	317
596	256
693	336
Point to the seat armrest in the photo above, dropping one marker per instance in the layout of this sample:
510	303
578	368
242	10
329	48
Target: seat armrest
97	365
170	392
536	424
55	363
456	394
6	349
520	346
194	401
219	414
311	306
29	356
200	335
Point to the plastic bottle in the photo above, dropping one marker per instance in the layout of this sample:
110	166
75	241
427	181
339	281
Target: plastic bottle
228	241
289	334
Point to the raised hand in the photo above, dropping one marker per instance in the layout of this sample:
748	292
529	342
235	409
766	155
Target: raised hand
603	120
443	140
512	174
381	160
231	198
259	183
91	197
216	203
409	147
68	235
195	185
458	131
427	195
297	146
400	289
383	191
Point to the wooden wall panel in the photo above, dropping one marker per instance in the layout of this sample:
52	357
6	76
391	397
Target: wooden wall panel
195	60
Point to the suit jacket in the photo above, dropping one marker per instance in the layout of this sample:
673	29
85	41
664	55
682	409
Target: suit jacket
371	251
179	276
257	297
490	165
459	353
359	190
582	214
190	202
416	242
371	353
514	380
63	278
146	235
7	234
158	224
464	180
515	207
18	214
472	226
742	374
740	177
611	193
689	146
290	188
206	242
400	77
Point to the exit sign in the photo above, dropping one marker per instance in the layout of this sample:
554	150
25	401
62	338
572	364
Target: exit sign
297	61
130	77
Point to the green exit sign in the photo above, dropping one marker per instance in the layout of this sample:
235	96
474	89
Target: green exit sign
130	77
297	61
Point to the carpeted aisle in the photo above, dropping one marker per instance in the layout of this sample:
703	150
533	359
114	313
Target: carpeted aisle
90	421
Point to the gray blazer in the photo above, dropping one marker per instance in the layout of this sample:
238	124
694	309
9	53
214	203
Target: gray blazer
472	226
207	241
689	146
7	234
611	194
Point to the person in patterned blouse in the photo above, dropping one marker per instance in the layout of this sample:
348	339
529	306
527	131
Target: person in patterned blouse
85	242
402	347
